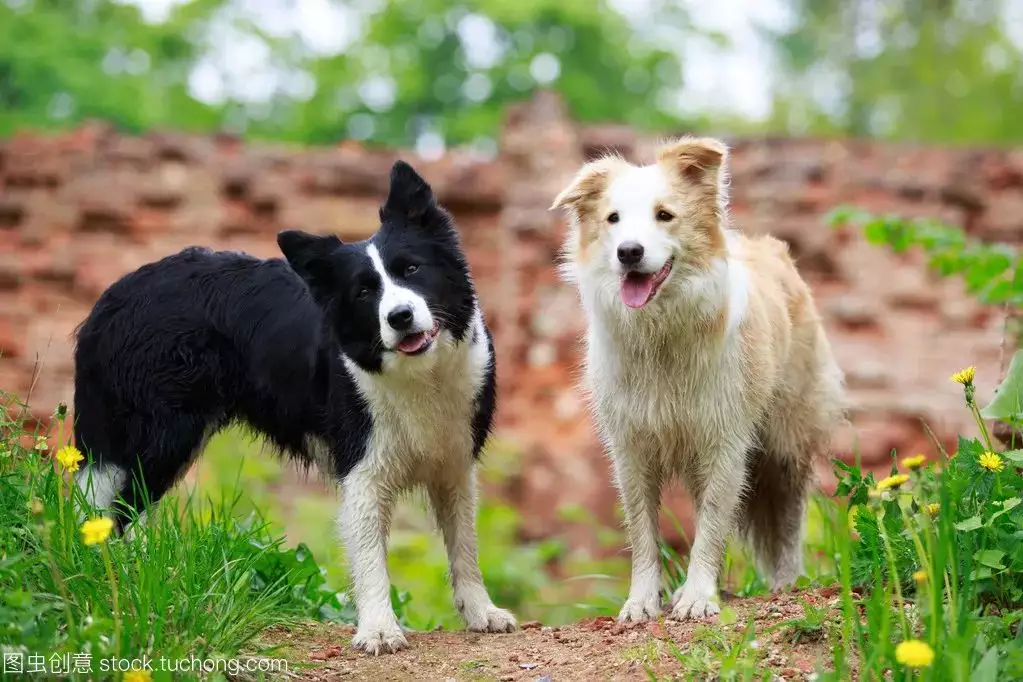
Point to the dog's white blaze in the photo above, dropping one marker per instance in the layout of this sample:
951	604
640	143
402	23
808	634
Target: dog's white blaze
634	196
414	443
391	296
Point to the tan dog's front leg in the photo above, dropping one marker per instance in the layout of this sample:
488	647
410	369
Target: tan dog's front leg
716	518
640	490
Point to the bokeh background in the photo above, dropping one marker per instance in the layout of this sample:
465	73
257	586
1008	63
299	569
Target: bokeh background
130	129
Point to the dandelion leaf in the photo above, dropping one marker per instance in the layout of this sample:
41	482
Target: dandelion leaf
1008	401
972	523
987	668
992	558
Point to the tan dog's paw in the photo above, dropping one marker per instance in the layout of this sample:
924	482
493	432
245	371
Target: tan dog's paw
380	638
640	609
490	619
691	602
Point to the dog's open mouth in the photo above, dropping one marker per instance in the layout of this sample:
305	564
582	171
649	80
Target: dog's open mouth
638	288
420	342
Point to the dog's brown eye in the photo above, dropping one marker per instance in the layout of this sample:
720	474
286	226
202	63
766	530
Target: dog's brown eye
664	216
411	269
613	218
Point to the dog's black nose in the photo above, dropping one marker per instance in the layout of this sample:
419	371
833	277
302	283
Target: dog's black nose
400	318
630	253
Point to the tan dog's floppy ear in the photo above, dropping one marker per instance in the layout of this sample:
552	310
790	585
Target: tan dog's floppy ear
587	184
695	158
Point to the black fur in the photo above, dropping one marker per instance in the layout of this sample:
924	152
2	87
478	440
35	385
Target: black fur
178	349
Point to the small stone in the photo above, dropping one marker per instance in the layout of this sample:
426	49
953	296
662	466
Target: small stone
324	654
531	625
528	666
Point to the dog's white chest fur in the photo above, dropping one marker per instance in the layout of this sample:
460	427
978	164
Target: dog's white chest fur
670	391
674	400
422	419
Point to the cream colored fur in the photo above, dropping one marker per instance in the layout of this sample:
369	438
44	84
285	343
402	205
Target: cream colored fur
724	379
413	445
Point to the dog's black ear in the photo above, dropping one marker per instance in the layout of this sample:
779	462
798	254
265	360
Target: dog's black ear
309	256
409	196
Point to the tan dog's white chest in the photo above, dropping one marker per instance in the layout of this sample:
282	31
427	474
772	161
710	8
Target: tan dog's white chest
675	401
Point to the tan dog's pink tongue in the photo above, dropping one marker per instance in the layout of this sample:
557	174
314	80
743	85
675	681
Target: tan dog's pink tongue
637	289
412	343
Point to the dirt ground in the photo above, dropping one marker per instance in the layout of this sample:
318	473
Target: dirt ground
590	650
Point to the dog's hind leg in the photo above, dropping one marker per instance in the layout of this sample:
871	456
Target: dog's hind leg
454	502
775	515
155	452
100	484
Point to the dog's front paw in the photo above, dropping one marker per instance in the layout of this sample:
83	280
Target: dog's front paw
489	618
641	608
377	638
694	602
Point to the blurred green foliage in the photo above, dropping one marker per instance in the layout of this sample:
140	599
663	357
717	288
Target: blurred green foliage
63	61
433	72
424	67
929	70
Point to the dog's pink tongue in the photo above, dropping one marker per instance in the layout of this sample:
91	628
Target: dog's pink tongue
637	289
412	343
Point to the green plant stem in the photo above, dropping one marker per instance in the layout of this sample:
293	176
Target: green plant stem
893	576
58	579
60	511
981	425
924	557
113	596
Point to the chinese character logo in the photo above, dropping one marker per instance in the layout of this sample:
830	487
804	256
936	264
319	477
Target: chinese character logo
14	662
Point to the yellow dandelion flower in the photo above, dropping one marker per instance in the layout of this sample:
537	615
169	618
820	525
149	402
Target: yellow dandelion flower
41	444
964	376
920	577
914	654
137	676
933	509
892	482
991	462
915	462
69	456
95	531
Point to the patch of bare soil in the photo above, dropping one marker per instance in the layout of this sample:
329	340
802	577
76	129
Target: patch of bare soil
595	649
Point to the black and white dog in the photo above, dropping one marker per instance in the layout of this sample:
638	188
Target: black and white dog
371	359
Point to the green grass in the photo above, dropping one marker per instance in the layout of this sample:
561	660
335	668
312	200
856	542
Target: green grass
186	585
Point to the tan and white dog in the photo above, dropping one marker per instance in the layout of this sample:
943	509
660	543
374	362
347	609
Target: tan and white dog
706	359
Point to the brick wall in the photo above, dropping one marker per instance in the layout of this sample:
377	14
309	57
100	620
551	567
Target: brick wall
80	209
